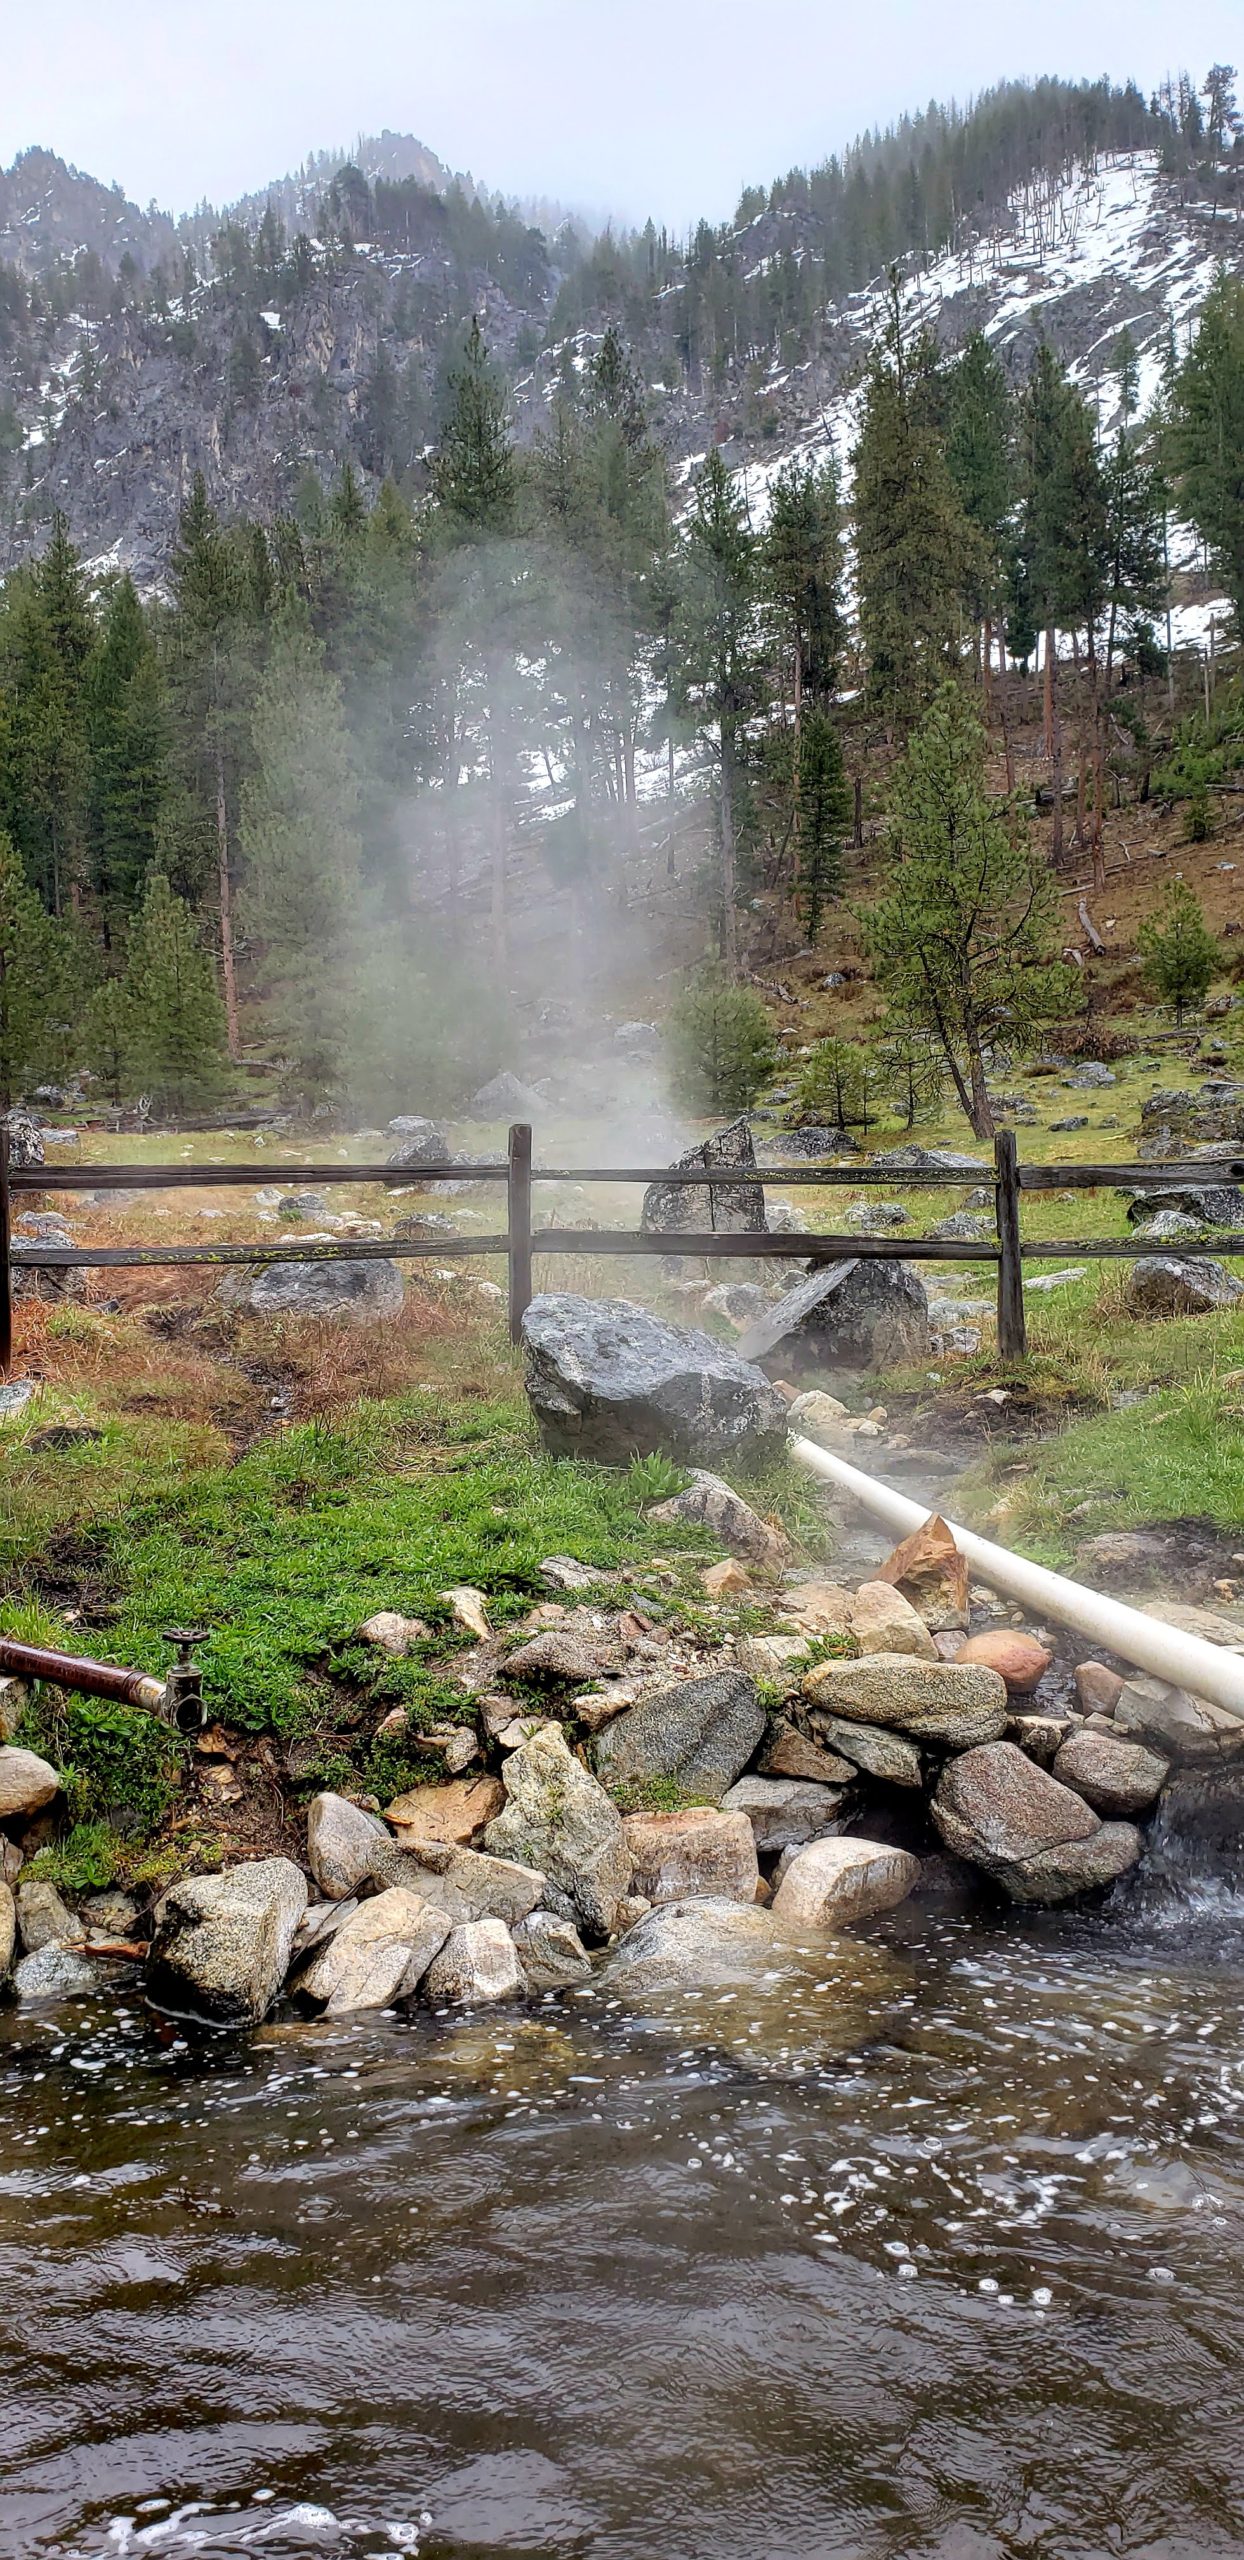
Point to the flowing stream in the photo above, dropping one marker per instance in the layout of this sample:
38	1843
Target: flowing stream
932	2247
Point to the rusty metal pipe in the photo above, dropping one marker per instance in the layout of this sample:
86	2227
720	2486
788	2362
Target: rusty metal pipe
73	1671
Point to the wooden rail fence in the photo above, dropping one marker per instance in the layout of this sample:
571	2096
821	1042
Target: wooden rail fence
520	1241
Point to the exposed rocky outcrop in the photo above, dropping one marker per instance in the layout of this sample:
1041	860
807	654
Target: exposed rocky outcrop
345	1292
724	1209
1169	1284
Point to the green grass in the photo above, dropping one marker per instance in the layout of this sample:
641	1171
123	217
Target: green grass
1175	1456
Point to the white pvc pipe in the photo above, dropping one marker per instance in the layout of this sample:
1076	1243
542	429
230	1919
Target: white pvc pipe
1205	1670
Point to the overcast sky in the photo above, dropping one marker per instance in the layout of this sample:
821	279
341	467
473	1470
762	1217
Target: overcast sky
661	106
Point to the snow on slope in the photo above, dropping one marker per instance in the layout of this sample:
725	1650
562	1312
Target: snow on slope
1079	262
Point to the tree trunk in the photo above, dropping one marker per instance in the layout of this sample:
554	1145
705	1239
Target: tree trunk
981	1114
1082	759
729	914
224	884
1054	727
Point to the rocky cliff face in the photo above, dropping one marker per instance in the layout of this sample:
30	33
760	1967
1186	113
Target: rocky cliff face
109	406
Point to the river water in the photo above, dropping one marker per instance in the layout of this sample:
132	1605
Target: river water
930	2246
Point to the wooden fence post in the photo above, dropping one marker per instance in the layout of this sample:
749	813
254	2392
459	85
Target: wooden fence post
519	1221
1012	1323
6	1270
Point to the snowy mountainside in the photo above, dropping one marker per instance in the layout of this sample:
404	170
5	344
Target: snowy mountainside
1110	248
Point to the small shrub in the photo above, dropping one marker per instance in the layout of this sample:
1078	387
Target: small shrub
118	1764
721	1046
1179	951
87	1860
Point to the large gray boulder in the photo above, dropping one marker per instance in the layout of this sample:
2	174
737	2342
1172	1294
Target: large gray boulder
506	1097
1038	1839
345	1292
1168	1284
222	1943
954	1703
417	1143
734	1209
852	1315
558	1821
700	1733
1207	1204
606	1380
380	1954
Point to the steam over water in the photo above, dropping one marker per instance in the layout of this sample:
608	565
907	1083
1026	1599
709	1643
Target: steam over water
935	2247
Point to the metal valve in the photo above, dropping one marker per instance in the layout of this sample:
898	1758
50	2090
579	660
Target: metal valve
183	1689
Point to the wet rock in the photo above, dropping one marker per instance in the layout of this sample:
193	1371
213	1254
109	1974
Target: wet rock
882	1621
564	1654
43	1919
393	1633
788	1753
1020	1660
832	1882
1098	1688
320	1920
1179	1727
345	1846
558	1820
1168	1285
698	1851
859	1315
783	1812
881	1754
608	1381
709	1503
27	1783
950	1702
819	1608
727	1209
222	1943
1114	1777
1116	1553
478	1963
452	1815
1041	1737
700	1733
473	1885
737	1302
344	1292
696	1941
417	1142
54	1972
551	1952
1038	1839
8	1927
380	1954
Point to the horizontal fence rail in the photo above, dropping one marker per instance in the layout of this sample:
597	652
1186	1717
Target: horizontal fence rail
520	1241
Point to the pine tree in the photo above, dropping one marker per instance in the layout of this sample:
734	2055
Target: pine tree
1179	951
720	671
128	739
721	1045
45	643
1207	433
913	1072
963	940
979	458
915	551
822	816
299	834
169	994
802	574
831	1086
474	472
1063	539
108	1039
29	979
211	666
